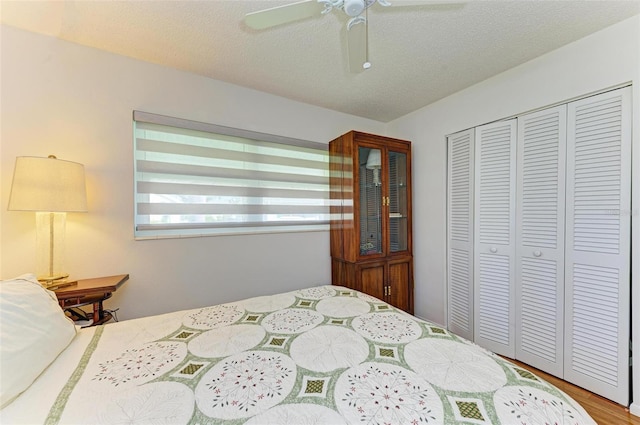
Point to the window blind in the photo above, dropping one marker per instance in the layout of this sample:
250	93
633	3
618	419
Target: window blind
196	179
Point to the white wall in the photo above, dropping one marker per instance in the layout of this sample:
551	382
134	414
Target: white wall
76	102
601	60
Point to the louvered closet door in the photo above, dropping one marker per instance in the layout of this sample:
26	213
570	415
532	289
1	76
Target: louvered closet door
540	239
460	233
494	237
598	244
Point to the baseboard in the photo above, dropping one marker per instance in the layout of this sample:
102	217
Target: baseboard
634	409
430	321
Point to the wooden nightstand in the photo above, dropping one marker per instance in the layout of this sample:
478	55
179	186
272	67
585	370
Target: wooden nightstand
91	291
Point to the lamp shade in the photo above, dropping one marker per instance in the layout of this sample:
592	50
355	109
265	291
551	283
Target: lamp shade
374	160
48	184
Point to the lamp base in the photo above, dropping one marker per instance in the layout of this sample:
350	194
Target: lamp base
50	235
54	282
62	284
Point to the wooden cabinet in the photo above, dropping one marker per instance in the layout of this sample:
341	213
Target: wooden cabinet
371	245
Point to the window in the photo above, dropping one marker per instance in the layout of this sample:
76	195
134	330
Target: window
195	179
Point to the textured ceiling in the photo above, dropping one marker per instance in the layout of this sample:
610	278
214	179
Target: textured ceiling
419	54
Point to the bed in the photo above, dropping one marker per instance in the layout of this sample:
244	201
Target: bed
321	355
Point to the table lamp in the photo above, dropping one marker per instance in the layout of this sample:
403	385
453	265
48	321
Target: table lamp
374	162
51	187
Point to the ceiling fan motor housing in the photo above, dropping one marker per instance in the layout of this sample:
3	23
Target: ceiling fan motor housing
353	7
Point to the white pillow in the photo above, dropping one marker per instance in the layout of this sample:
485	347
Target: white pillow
33	332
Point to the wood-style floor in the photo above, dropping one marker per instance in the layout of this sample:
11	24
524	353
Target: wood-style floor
603	411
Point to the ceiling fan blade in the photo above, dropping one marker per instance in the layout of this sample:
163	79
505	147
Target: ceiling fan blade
283	14
357	44
423	2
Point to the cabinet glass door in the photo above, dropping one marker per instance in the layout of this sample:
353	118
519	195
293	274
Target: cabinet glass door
370	164
398	204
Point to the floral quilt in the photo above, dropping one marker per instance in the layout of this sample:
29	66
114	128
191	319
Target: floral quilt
323	355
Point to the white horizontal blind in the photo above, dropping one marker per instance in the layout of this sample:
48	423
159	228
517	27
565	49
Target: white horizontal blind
194	179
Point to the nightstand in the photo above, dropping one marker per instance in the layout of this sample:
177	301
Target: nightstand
91	292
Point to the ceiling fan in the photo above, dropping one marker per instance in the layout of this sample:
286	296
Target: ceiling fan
357	26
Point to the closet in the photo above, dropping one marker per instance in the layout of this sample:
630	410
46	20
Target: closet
539	210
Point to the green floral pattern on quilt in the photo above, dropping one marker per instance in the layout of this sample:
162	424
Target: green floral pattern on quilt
323	355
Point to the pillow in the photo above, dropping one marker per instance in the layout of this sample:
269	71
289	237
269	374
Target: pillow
33	332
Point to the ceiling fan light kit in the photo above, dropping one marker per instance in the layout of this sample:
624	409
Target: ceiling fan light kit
353	7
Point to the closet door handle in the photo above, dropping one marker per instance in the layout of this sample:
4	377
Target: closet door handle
537	253
493	249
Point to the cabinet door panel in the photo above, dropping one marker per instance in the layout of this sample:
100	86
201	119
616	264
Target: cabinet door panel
371	201
372	279
400	276
397	202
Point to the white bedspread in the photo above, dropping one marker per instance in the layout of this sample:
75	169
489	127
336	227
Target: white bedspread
323	355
